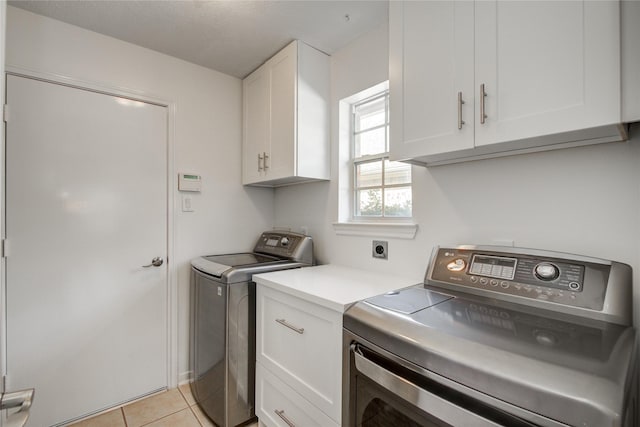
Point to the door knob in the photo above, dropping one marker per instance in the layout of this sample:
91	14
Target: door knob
156	262
22	399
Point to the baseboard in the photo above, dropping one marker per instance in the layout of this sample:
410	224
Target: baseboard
184	378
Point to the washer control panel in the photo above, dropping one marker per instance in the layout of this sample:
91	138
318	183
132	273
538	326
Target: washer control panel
532	276
286	244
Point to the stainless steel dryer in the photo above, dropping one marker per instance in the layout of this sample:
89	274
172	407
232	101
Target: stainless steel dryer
496	337
222	338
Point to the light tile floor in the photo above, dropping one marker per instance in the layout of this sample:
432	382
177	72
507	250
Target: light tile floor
173	408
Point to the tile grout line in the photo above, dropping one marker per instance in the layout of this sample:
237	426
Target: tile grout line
165	416
173	413
124	418
195	415
191	408
184	400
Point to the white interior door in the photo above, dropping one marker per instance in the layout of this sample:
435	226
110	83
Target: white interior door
86	208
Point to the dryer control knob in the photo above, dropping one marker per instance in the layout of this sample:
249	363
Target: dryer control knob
457	265
284	241
546	271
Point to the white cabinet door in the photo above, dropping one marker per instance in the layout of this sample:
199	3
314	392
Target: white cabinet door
548	67
283	75
431	61
86	192
257	125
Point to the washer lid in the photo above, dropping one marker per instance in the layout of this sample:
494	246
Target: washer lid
233	268
239	260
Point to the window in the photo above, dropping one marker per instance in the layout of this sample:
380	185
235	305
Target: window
381	188
374	194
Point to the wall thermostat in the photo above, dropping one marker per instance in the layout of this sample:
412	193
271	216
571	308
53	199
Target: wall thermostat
189	182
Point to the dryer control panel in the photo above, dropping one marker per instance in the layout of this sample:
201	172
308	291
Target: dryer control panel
286	244
533	277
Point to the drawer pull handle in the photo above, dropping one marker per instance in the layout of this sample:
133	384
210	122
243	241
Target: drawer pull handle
290	326
284	418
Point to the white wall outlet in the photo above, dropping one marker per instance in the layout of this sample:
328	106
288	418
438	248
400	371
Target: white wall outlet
380	249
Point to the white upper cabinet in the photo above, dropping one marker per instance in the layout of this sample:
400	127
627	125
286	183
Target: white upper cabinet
431	62
286	118
548	67
256	112
489	78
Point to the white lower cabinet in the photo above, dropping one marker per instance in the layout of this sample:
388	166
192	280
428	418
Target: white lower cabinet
299	360
277	404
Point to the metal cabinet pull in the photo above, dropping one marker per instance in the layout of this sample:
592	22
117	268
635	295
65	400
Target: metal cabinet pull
284	418
460	102
266	156
283	322
260	160
483	95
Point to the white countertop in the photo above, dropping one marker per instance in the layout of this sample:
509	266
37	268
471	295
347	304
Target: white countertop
333	286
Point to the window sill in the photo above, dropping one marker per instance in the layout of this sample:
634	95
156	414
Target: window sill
376	229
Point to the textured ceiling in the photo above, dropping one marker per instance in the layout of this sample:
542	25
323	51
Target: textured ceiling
231	36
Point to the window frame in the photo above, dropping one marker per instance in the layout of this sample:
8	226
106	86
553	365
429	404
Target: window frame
382	157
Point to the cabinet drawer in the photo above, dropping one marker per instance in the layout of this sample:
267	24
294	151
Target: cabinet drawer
275	402
300	342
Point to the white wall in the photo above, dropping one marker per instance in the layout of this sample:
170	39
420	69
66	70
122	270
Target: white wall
207	140
580	200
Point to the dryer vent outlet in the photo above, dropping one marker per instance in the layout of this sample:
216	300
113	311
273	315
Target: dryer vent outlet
380	249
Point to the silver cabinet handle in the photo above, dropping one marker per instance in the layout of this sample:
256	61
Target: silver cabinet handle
266	156
483	95
284	418
460	102
156	262
260	160
290	326
23	399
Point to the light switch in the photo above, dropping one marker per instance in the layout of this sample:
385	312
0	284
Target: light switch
187	203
